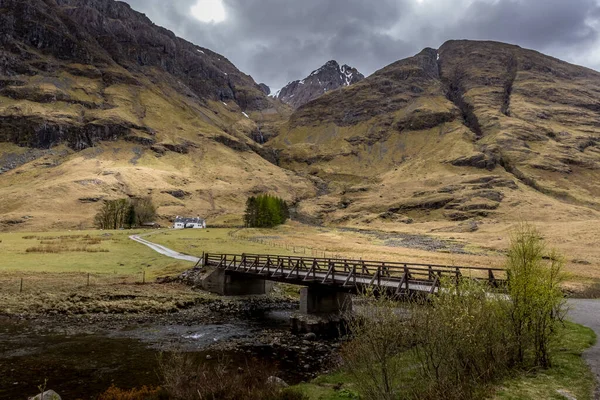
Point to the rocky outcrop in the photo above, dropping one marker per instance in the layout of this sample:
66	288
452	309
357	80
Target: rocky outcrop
381	94
44	134
329	77
264	88
105	35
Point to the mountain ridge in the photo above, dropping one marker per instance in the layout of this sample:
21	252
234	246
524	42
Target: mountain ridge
328	77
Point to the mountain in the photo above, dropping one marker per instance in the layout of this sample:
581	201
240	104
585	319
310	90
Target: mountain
471	130
97	102
329	77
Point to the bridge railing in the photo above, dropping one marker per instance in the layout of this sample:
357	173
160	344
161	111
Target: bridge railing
351	272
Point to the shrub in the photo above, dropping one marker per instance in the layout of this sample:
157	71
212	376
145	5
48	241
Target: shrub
537	302
372	357
461	340
187	378
465	337
120	213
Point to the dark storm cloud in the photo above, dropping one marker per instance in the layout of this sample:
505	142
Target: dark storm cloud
531	23
277	41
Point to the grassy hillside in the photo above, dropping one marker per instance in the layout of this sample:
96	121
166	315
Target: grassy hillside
99	103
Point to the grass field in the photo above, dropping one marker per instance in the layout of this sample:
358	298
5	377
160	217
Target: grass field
569	374
81	271
112	256
102	271
78	251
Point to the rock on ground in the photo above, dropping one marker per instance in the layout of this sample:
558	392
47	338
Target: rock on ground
275	381
47	395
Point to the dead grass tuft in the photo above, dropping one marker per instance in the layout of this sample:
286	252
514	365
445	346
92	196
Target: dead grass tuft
56	248
143	393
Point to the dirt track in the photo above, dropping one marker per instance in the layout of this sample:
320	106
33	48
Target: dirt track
587	312
164	250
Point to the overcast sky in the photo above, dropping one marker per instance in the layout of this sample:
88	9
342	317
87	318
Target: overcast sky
277	41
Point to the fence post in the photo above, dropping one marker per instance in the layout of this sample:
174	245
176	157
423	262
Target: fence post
143	277
21	287
88	279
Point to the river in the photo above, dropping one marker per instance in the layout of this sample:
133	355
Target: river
80	365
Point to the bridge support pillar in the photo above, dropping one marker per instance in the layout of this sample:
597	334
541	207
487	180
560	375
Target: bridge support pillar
229	284
323	301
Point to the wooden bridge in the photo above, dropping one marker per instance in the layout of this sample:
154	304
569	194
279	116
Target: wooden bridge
345	275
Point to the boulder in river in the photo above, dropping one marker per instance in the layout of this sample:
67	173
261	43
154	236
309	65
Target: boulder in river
275	381
47	395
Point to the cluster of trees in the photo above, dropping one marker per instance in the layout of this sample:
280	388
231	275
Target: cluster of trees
125	213
265	211
464	338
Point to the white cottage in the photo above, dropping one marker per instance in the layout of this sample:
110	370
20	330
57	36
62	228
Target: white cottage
185	222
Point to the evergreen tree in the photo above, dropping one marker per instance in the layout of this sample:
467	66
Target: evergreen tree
251	214
265	211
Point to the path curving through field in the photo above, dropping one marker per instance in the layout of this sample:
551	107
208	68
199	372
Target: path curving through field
587	312
164	250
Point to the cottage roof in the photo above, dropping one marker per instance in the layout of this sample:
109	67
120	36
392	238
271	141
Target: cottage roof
189	220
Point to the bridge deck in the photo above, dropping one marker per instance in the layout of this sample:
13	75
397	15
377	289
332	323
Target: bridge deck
351	275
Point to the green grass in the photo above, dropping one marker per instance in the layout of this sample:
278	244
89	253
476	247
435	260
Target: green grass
61	261
569	373
120	254
334	386
72	280
112	252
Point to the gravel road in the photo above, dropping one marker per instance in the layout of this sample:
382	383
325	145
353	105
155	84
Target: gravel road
164	250
587	312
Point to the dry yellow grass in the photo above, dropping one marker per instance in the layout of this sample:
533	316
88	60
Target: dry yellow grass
55	190
486	247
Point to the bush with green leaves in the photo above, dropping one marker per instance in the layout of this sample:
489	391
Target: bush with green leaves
372	358
464	338
537	303
461	340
